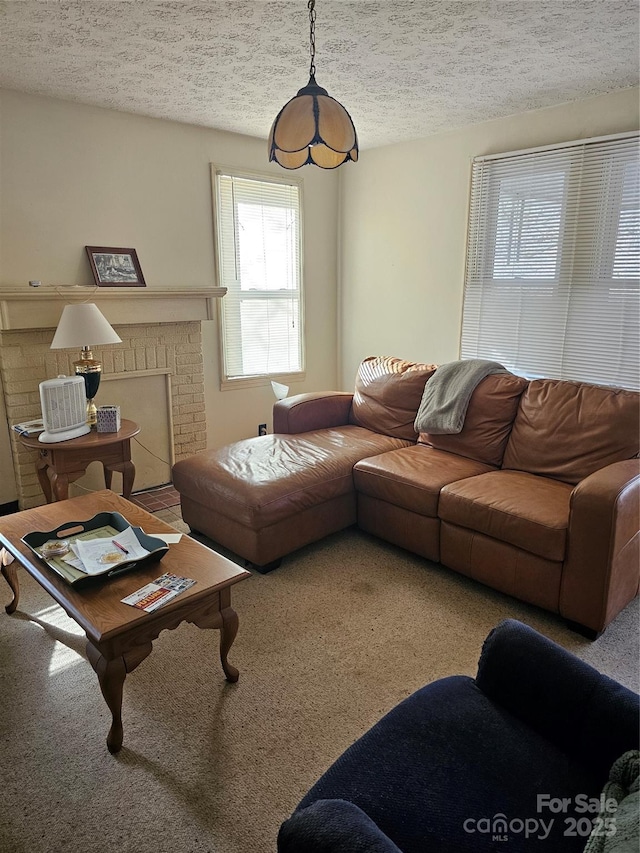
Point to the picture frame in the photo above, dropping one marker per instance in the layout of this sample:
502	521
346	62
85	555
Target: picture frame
112	267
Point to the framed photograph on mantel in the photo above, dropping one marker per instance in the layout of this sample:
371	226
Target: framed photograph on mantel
115	267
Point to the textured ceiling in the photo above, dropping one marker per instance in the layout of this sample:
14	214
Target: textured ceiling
403	70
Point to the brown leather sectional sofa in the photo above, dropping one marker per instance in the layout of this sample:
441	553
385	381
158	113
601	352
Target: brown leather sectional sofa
538	496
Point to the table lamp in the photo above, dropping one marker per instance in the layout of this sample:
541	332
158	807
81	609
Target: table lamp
83	325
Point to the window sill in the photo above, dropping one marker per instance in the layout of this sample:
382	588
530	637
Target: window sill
258	381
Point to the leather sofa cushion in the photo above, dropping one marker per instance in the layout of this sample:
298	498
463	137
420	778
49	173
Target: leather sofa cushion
568	430
260	481
412	477
488	421
522	509
387	395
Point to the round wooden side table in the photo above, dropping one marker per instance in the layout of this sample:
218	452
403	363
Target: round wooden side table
65	461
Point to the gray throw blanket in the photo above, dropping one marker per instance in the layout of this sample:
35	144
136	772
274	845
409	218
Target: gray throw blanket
617	827
447	393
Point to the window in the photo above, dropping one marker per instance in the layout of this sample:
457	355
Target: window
259	240
552	282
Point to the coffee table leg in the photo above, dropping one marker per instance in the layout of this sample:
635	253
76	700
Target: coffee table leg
111	675
10	574
228	633
224	619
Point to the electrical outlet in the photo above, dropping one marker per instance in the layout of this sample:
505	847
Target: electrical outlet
262	429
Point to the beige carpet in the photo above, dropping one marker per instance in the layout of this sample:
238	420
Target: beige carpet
327	644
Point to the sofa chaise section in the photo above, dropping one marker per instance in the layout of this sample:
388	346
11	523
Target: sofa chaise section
265	497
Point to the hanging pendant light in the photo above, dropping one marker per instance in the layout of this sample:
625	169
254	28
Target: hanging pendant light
313	127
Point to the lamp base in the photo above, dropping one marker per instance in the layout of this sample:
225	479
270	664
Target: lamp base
90	369
92	414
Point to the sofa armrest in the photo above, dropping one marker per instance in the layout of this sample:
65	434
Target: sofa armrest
305	412
600	575
587	715
332	826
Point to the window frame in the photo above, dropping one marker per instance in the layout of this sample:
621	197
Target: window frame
229	382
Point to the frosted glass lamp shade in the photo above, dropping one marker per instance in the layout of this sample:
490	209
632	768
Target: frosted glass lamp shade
313	128
83	325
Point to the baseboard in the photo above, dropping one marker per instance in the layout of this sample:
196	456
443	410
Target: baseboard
9	508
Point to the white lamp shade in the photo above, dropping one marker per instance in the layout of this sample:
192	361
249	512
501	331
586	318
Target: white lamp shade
83	325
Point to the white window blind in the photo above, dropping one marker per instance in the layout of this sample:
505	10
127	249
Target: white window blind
552	281
259	238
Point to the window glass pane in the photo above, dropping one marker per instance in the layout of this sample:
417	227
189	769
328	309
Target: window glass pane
269	336
529	217
626	260
259	260
266	237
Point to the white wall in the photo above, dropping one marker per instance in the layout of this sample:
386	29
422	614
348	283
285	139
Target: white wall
73	175
403	228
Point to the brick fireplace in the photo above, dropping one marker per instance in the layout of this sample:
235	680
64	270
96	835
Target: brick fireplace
161	337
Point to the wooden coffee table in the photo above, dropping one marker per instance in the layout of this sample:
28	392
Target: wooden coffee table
119	636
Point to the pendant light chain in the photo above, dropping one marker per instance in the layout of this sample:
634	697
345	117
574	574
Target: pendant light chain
312	127
311	5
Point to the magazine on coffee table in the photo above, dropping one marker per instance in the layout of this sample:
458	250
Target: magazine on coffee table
160	591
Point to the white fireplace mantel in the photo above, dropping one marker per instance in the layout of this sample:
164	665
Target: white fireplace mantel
40	308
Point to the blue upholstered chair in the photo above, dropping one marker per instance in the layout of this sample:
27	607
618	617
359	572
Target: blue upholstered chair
520	754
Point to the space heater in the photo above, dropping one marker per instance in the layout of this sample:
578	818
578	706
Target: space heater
64	409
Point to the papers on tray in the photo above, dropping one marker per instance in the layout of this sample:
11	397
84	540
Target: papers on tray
158	592
169	538
93	556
